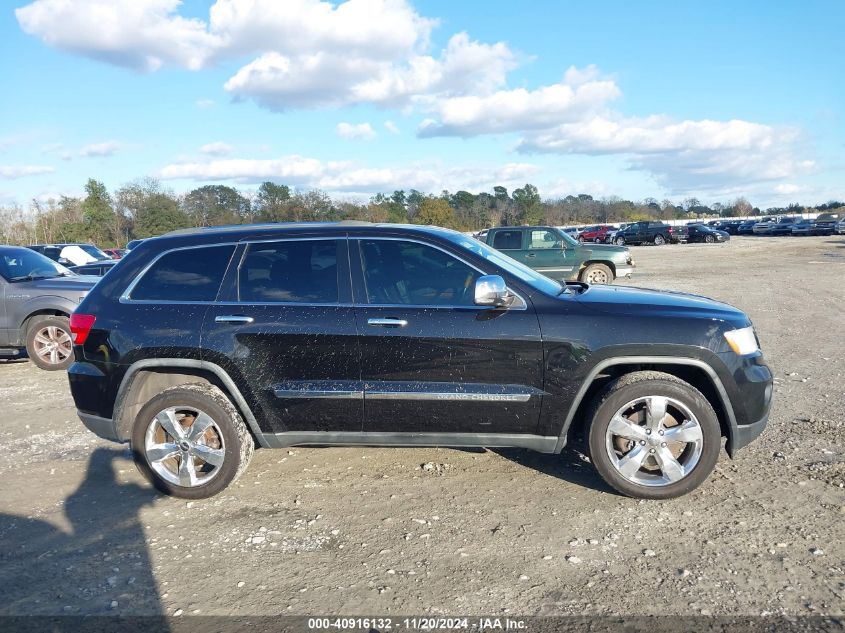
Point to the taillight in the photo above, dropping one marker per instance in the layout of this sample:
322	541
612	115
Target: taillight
80	326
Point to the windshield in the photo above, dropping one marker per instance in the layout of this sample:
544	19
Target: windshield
520	271
93	251
22	264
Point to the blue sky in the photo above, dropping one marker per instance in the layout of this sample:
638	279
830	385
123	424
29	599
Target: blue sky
652	99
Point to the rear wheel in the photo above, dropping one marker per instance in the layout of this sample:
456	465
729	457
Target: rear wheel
190	441
653	436
597	240
597	274
48	343
581	239
659	240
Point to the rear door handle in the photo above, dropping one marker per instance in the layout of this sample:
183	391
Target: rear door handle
233	318
387	322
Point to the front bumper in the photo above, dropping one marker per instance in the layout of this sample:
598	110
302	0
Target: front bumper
625	271
744	434
102	427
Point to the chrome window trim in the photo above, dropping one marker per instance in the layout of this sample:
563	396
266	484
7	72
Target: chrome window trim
126	297
523	304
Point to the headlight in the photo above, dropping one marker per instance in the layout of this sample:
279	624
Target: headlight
742	341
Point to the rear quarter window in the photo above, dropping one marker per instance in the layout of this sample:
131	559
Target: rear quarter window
189	274
507	240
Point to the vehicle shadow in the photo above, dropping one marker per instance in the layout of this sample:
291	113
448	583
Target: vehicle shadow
100	566
569	466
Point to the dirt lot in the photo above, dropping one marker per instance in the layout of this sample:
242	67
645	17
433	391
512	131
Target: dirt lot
371	531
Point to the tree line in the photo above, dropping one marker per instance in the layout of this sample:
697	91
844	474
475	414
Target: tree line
145	208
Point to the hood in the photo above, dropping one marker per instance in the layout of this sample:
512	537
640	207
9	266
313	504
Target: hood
623	300
79	282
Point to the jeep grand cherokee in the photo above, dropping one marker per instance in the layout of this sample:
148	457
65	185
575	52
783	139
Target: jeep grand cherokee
205	343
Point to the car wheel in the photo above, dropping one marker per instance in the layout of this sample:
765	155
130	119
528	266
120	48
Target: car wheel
659	240
49	344
597	274
190	441
597	240
709	239
653	436
581	239
620	241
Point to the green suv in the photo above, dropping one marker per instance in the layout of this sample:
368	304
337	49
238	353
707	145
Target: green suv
554	253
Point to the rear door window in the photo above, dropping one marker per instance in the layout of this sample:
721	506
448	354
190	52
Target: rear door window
507	240
293	271
185	275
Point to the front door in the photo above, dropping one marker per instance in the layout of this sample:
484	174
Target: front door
548	253
286	329
432	361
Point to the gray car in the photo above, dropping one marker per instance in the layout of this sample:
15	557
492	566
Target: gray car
37	296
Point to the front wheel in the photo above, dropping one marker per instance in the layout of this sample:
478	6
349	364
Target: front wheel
620	241
659	240
653	436
709	239
49	344
597	274
189	441
598	240
581	239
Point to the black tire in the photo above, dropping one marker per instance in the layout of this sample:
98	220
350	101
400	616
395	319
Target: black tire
597	274
620	241
581	239
709	239
597	240
49	343
642	384
237	441
659	240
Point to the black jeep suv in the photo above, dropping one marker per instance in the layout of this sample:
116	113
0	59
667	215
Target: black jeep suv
205	343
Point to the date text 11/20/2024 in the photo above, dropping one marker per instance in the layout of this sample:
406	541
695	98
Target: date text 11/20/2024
419	624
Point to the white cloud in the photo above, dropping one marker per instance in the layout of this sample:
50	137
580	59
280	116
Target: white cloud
682	155
106	148
140	34
787	189
352	131
334	78
347	176
21	171
517	110
391	127
217	149
204	104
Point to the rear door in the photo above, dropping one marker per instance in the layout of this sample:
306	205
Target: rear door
433	361
285	328
511	242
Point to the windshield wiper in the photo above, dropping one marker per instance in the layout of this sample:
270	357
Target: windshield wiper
29	277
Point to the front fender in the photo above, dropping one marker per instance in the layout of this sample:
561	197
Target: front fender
19	311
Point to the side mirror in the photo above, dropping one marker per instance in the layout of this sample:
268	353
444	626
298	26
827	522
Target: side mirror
490	290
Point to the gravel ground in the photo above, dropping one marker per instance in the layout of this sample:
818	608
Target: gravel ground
436	531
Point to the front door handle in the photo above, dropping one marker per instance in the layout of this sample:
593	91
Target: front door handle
233	318
387	322
531	255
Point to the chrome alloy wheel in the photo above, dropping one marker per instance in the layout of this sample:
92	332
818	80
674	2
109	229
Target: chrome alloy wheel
654	441
184	446
53	345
